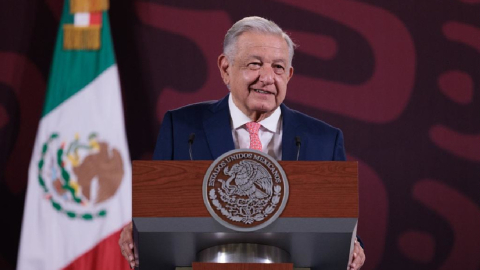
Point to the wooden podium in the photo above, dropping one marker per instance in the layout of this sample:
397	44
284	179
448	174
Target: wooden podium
172	224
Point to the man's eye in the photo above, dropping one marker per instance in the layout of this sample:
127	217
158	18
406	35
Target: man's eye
279	69
254	65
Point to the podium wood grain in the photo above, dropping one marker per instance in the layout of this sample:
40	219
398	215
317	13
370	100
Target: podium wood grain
174	189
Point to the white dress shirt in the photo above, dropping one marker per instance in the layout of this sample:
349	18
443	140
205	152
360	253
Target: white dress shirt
270	132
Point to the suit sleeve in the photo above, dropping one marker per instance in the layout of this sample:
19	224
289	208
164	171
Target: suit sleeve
339	150
164	146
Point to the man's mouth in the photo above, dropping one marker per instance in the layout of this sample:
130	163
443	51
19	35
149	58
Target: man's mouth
262	91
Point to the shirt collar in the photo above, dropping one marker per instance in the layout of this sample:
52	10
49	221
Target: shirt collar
239	118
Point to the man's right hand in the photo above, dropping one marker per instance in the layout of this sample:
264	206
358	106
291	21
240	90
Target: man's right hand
126	245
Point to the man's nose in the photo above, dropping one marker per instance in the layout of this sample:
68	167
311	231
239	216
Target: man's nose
267	75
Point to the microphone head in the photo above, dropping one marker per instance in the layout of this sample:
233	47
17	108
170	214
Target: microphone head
298	140
191	137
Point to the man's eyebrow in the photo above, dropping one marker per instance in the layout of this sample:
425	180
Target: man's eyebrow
281	60
255	57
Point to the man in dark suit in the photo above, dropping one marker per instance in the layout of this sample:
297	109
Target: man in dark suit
256	67
211	124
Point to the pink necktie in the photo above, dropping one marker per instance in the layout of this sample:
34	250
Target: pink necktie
253	128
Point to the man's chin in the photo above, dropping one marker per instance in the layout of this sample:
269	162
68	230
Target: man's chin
263	109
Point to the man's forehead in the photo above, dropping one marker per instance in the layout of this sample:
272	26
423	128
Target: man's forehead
266	46
258	39
257	44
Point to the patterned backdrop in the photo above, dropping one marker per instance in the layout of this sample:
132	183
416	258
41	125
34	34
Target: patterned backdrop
399	77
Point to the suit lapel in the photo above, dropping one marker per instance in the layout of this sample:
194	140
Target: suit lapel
291	129
217	126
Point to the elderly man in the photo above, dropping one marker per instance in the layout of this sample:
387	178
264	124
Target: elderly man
256	66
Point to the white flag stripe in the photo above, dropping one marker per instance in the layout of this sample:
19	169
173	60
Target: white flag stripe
81	19
50	239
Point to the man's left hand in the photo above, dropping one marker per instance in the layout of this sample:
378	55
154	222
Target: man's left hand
358	258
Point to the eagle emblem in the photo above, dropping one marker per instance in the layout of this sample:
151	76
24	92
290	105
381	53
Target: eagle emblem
245	190
251	180
77	176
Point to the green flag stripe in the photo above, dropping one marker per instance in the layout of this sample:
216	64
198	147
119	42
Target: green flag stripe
72	70
67	17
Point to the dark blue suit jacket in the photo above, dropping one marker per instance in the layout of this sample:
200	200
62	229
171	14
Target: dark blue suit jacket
210	121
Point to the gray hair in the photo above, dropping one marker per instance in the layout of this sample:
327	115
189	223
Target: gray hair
254	24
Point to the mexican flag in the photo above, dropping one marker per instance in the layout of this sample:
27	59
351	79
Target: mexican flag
79	187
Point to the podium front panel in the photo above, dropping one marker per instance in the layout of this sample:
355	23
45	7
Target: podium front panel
316	243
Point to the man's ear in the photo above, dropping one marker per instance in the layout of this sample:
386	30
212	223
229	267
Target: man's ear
290	73
224	67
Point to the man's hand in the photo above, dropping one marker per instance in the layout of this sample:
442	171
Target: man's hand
358	258
126	245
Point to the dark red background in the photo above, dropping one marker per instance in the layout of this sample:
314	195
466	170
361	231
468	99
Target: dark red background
399	77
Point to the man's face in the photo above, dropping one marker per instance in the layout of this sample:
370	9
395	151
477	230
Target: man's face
259	73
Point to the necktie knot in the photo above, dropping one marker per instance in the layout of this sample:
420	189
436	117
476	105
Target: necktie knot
253	128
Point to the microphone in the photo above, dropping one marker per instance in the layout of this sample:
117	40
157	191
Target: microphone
298	143
190	142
